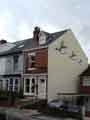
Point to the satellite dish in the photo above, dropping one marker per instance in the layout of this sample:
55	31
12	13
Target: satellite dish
42	38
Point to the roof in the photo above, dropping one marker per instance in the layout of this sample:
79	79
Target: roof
27	43
86	72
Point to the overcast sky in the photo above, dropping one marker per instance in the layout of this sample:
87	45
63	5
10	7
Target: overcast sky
18	17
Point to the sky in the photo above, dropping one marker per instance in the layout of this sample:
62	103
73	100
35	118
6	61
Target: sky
19	17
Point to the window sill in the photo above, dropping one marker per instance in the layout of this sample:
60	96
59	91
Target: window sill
31	68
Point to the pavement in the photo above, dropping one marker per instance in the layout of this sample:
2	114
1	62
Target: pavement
17	114
43	117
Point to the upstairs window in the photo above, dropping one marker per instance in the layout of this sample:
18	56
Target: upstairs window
31	61
8	65
16	58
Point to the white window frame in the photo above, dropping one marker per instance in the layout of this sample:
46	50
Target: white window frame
30	85
13	84
31	61
86	81
16	64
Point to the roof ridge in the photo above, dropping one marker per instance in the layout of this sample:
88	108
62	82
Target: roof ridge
27	43
60	31
44	32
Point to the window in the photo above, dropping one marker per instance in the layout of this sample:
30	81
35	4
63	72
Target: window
7	84
31	60
16	87
13	85
8	65
33	85
86	81
16	62
27	85
33	65
1	84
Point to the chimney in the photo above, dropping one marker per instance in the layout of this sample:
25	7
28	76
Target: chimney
2	41
35	41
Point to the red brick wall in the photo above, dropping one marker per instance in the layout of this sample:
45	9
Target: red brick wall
41	61
41	58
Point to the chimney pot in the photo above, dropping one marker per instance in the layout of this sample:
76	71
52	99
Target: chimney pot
37	29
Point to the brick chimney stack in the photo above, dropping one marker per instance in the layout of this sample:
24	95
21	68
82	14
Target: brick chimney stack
35	41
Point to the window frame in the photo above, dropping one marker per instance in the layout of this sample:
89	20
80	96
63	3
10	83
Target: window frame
1	84
31	61
13	86
86	81
15	62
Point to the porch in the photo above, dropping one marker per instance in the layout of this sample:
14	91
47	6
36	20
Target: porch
35	85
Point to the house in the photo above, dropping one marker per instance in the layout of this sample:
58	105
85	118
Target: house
85	89
11	64
42	66
53	64
11	67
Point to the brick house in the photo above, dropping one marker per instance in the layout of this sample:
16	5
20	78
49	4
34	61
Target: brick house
85	89
53	64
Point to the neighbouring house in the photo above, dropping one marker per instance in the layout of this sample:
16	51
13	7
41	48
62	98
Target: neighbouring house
53	64
11	66
42	66
85	89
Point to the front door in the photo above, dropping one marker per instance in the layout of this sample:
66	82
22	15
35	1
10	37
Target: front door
42	87
30	86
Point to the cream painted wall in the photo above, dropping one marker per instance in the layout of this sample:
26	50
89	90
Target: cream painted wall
62	71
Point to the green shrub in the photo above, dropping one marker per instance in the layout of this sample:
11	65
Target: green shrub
3	95
6	95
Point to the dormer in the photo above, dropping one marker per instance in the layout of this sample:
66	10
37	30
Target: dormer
42	38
